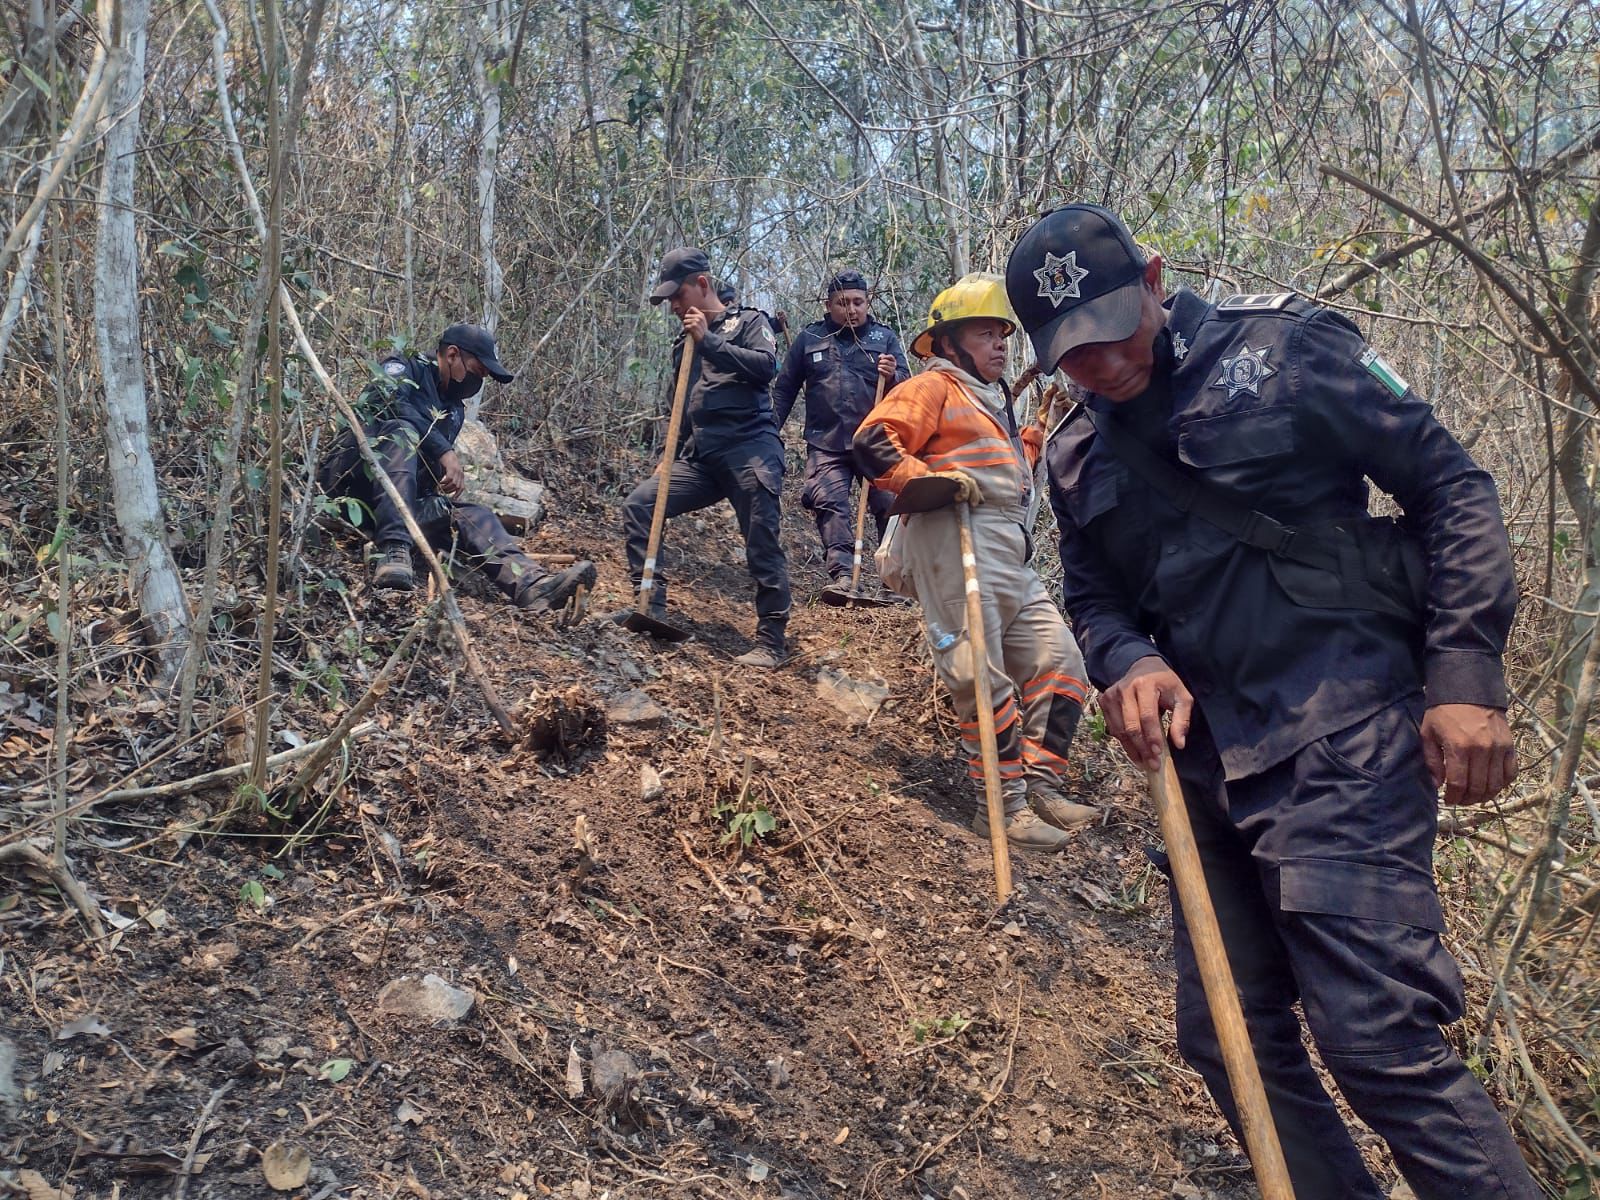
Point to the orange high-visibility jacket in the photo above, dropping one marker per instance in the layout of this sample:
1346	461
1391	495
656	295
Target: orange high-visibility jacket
932	423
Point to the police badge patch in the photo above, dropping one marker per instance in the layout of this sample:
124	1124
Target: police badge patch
1244	372
394	368
1059	278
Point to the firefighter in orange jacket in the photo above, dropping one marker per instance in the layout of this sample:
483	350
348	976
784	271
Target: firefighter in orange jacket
956	419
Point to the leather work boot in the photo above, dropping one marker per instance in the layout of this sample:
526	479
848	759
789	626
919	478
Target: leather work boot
393	572
1057	810
764	655
1024	830
555	589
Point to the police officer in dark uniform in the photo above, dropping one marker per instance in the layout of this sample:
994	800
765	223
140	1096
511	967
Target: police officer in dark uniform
729	449
838	360
413	414
1325	672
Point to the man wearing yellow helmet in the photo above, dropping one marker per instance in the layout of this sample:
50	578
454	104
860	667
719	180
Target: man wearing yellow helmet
956	420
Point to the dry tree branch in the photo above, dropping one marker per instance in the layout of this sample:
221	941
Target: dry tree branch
376	690
274	258
1560	349
1553	166
105	71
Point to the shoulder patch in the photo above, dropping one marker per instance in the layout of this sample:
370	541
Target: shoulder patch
395	368
1382	371
1255	302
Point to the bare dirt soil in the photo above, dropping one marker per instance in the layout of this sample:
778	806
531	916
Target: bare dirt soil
657	1010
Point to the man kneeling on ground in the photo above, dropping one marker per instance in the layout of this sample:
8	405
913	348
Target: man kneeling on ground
413	414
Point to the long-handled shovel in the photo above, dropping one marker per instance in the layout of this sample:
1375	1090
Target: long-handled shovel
1260	1135
856	598
639	620
922	495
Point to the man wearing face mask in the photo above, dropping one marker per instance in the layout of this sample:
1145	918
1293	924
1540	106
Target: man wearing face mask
838	360
413	412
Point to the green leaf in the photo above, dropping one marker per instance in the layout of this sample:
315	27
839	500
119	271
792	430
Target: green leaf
34	77
221	335
253	894
765	822
335	1069
189	277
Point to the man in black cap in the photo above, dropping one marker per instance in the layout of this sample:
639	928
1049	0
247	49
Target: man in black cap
729	449
838	360
1325	671
413	411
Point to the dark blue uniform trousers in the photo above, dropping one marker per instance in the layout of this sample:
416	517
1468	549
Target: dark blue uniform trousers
751	481
1321	870
826	493
447	524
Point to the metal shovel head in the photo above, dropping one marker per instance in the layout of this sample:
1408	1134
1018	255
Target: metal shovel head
926	493
837	599
642	622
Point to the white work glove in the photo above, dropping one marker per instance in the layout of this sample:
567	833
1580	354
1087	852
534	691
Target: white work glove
967	489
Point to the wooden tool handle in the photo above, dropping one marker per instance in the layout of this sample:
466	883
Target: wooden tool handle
1205	935
988	746
861	509
658	519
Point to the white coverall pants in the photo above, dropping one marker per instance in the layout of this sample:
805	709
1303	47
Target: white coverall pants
1036	672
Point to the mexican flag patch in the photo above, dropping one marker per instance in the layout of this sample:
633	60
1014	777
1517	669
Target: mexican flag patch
1382	371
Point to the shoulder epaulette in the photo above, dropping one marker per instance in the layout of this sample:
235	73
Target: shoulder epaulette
1255	302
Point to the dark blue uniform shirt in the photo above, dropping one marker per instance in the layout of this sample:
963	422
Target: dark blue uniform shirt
839	370
409	391
1281	405
727	403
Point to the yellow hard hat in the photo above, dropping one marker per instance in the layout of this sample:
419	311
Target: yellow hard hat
974	296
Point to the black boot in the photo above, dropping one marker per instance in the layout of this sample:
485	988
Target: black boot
393	572
555	589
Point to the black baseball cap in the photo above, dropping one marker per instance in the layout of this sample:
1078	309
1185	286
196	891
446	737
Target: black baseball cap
676	266
478	342
1075	277
848	281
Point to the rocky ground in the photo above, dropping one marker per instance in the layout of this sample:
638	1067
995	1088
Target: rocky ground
691	933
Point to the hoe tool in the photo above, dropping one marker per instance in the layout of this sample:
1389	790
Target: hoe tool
856	598
1260	1135
639	619
923	495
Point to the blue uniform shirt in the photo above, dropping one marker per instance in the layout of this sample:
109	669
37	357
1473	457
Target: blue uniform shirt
727	404
839	370
1280	404
409	391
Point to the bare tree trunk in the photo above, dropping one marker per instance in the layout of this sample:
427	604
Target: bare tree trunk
155	580
488	51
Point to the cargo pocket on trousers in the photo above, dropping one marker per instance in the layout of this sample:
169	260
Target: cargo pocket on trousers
1366	891
1374	974
769	474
